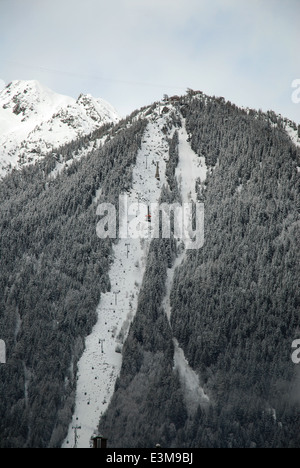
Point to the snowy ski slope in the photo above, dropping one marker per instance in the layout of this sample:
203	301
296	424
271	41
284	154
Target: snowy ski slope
101	361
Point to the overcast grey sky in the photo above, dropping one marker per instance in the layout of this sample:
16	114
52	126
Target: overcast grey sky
131	52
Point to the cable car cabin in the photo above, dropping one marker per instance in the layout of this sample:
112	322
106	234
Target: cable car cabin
99	442
157	176
148	216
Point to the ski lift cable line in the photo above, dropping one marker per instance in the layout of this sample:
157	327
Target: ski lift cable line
93	77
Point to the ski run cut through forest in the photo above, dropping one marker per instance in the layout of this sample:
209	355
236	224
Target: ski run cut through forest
101	362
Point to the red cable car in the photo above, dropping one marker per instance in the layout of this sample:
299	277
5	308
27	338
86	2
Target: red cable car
148	216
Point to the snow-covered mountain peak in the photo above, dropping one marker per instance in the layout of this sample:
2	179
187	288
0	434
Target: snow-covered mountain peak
97	108
30	99
35	121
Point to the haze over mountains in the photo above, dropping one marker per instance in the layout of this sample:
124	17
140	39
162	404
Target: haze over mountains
144	339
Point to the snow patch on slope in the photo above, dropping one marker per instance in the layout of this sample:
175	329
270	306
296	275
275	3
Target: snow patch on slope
194	394
190	168
292	133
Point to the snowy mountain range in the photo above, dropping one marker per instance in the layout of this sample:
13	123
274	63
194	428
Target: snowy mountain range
35	121
142	338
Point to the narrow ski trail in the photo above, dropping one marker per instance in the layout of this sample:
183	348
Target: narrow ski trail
101	361
190	168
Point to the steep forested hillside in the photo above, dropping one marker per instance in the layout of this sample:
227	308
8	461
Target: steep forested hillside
235	303
53	269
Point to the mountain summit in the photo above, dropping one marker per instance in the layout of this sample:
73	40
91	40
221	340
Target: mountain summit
35	120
